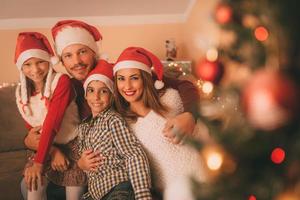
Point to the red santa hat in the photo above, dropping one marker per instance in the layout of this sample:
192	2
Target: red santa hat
102	72
67	32
139	58
29	45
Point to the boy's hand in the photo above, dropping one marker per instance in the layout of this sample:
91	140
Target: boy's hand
90	160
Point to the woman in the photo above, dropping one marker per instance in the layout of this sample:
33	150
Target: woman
146	105
45	100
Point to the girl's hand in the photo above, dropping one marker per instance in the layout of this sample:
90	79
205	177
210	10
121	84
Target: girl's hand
90	160
59	161
33	175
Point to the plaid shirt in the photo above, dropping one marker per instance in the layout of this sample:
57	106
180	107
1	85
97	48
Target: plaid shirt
124	157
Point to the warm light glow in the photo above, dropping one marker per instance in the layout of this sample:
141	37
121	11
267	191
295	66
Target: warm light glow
212	54
261	33
4	85
288	195
214	160
207	87
223	14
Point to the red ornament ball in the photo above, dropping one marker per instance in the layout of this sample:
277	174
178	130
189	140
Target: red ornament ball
252	197
210	71
278	155
270	100
223	13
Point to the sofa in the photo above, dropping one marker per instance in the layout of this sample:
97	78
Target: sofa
12	149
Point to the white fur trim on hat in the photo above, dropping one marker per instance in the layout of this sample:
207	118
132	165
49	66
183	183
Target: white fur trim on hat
74	35
99	77
131	64
37	53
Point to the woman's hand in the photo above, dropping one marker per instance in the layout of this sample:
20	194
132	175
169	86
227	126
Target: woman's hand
59	161
33	176
178	127
90	160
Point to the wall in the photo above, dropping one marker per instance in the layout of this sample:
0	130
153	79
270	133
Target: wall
200	31
193	38
115	39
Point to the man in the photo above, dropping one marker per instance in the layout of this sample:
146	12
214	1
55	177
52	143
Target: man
76	46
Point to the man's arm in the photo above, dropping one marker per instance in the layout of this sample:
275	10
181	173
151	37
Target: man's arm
184	122
188	93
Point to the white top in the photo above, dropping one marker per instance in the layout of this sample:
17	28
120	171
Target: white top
168	161
39	111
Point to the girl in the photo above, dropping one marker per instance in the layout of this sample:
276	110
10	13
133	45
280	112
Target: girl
124	174
45	100
147	109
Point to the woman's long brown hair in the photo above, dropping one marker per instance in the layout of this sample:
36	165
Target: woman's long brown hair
150	98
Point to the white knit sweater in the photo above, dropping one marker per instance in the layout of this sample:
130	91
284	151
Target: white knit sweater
168	161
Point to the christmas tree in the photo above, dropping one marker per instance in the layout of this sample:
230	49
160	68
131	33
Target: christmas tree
254	151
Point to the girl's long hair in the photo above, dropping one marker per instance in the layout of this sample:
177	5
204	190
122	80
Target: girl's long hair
31	89
150	97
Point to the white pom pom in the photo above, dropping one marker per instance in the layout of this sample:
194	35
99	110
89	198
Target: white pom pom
54	60
104	56
159	84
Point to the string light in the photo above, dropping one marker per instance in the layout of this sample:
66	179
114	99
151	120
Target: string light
5	85
199	83
180	66
207	87
212	54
